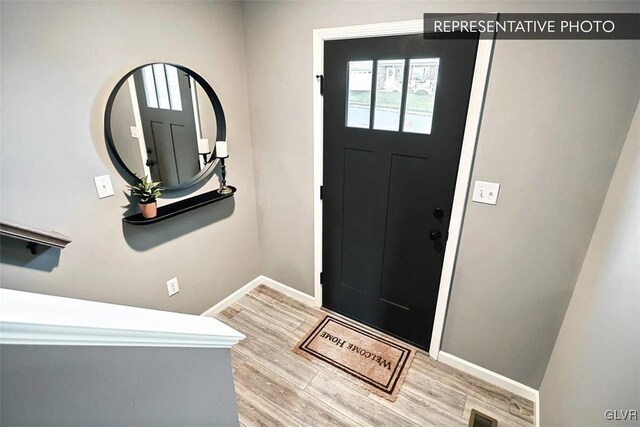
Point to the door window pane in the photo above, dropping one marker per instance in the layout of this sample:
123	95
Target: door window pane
161	86
359	99
388	94
149	87
423	78
174	87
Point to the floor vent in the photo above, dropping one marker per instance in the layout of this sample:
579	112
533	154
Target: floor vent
479	419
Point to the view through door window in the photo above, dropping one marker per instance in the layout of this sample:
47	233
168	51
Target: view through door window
359	97
418	95
389	80
421	95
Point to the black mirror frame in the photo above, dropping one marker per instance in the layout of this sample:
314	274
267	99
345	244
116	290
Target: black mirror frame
221	127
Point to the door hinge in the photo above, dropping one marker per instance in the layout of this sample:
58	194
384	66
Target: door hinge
321	192
320	78
322	278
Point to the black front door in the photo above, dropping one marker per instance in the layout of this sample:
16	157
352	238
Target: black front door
168	123
394	117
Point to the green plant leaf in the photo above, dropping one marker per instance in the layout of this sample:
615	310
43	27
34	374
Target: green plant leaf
146	189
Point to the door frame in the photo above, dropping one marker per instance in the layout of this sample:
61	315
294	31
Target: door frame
467	155
137	118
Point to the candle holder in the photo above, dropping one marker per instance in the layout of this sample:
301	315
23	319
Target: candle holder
223	169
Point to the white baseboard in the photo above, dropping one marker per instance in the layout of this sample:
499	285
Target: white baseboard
233	297
260	280
536	410
287	290
490	377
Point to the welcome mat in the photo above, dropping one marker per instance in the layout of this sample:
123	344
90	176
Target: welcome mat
379	362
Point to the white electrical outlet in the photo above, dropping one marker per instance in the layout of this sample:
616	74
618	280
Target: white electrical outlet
172	286
103	185
134	132
486	192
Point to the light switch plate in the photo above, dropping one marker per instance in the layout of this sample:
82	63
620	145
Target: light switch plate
172	286
134	132
486	192
103	185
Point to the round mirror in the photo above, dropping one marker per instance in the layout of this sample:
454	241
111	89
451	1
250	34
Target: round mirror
162	121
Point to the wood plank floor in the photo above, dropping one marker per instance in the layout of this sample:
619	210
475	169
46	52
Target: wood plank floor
276	387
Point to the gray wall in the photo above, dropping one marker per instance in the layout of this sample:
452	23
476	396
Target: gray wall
555	120
595	364
60	62
116	386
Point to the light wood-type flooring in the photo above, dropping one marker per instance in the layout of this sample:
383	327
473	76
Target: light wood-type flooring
275	386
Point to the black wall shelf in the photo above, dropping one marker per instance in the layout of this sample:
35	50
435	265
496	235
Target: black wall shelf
180	207
34	236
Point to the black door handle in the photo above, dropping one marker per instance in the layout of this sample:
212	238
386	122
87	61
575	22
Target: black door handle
150	163
438	213
435	234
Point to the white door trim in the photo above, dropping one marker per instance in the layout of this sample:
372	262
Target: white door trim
472	126
138	121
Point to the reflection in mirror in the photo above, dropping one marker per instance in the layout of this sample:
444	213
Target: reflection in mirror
162	123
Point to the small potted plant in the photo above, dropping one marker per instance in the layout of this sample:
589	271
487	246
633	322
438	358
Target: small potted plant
148	191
